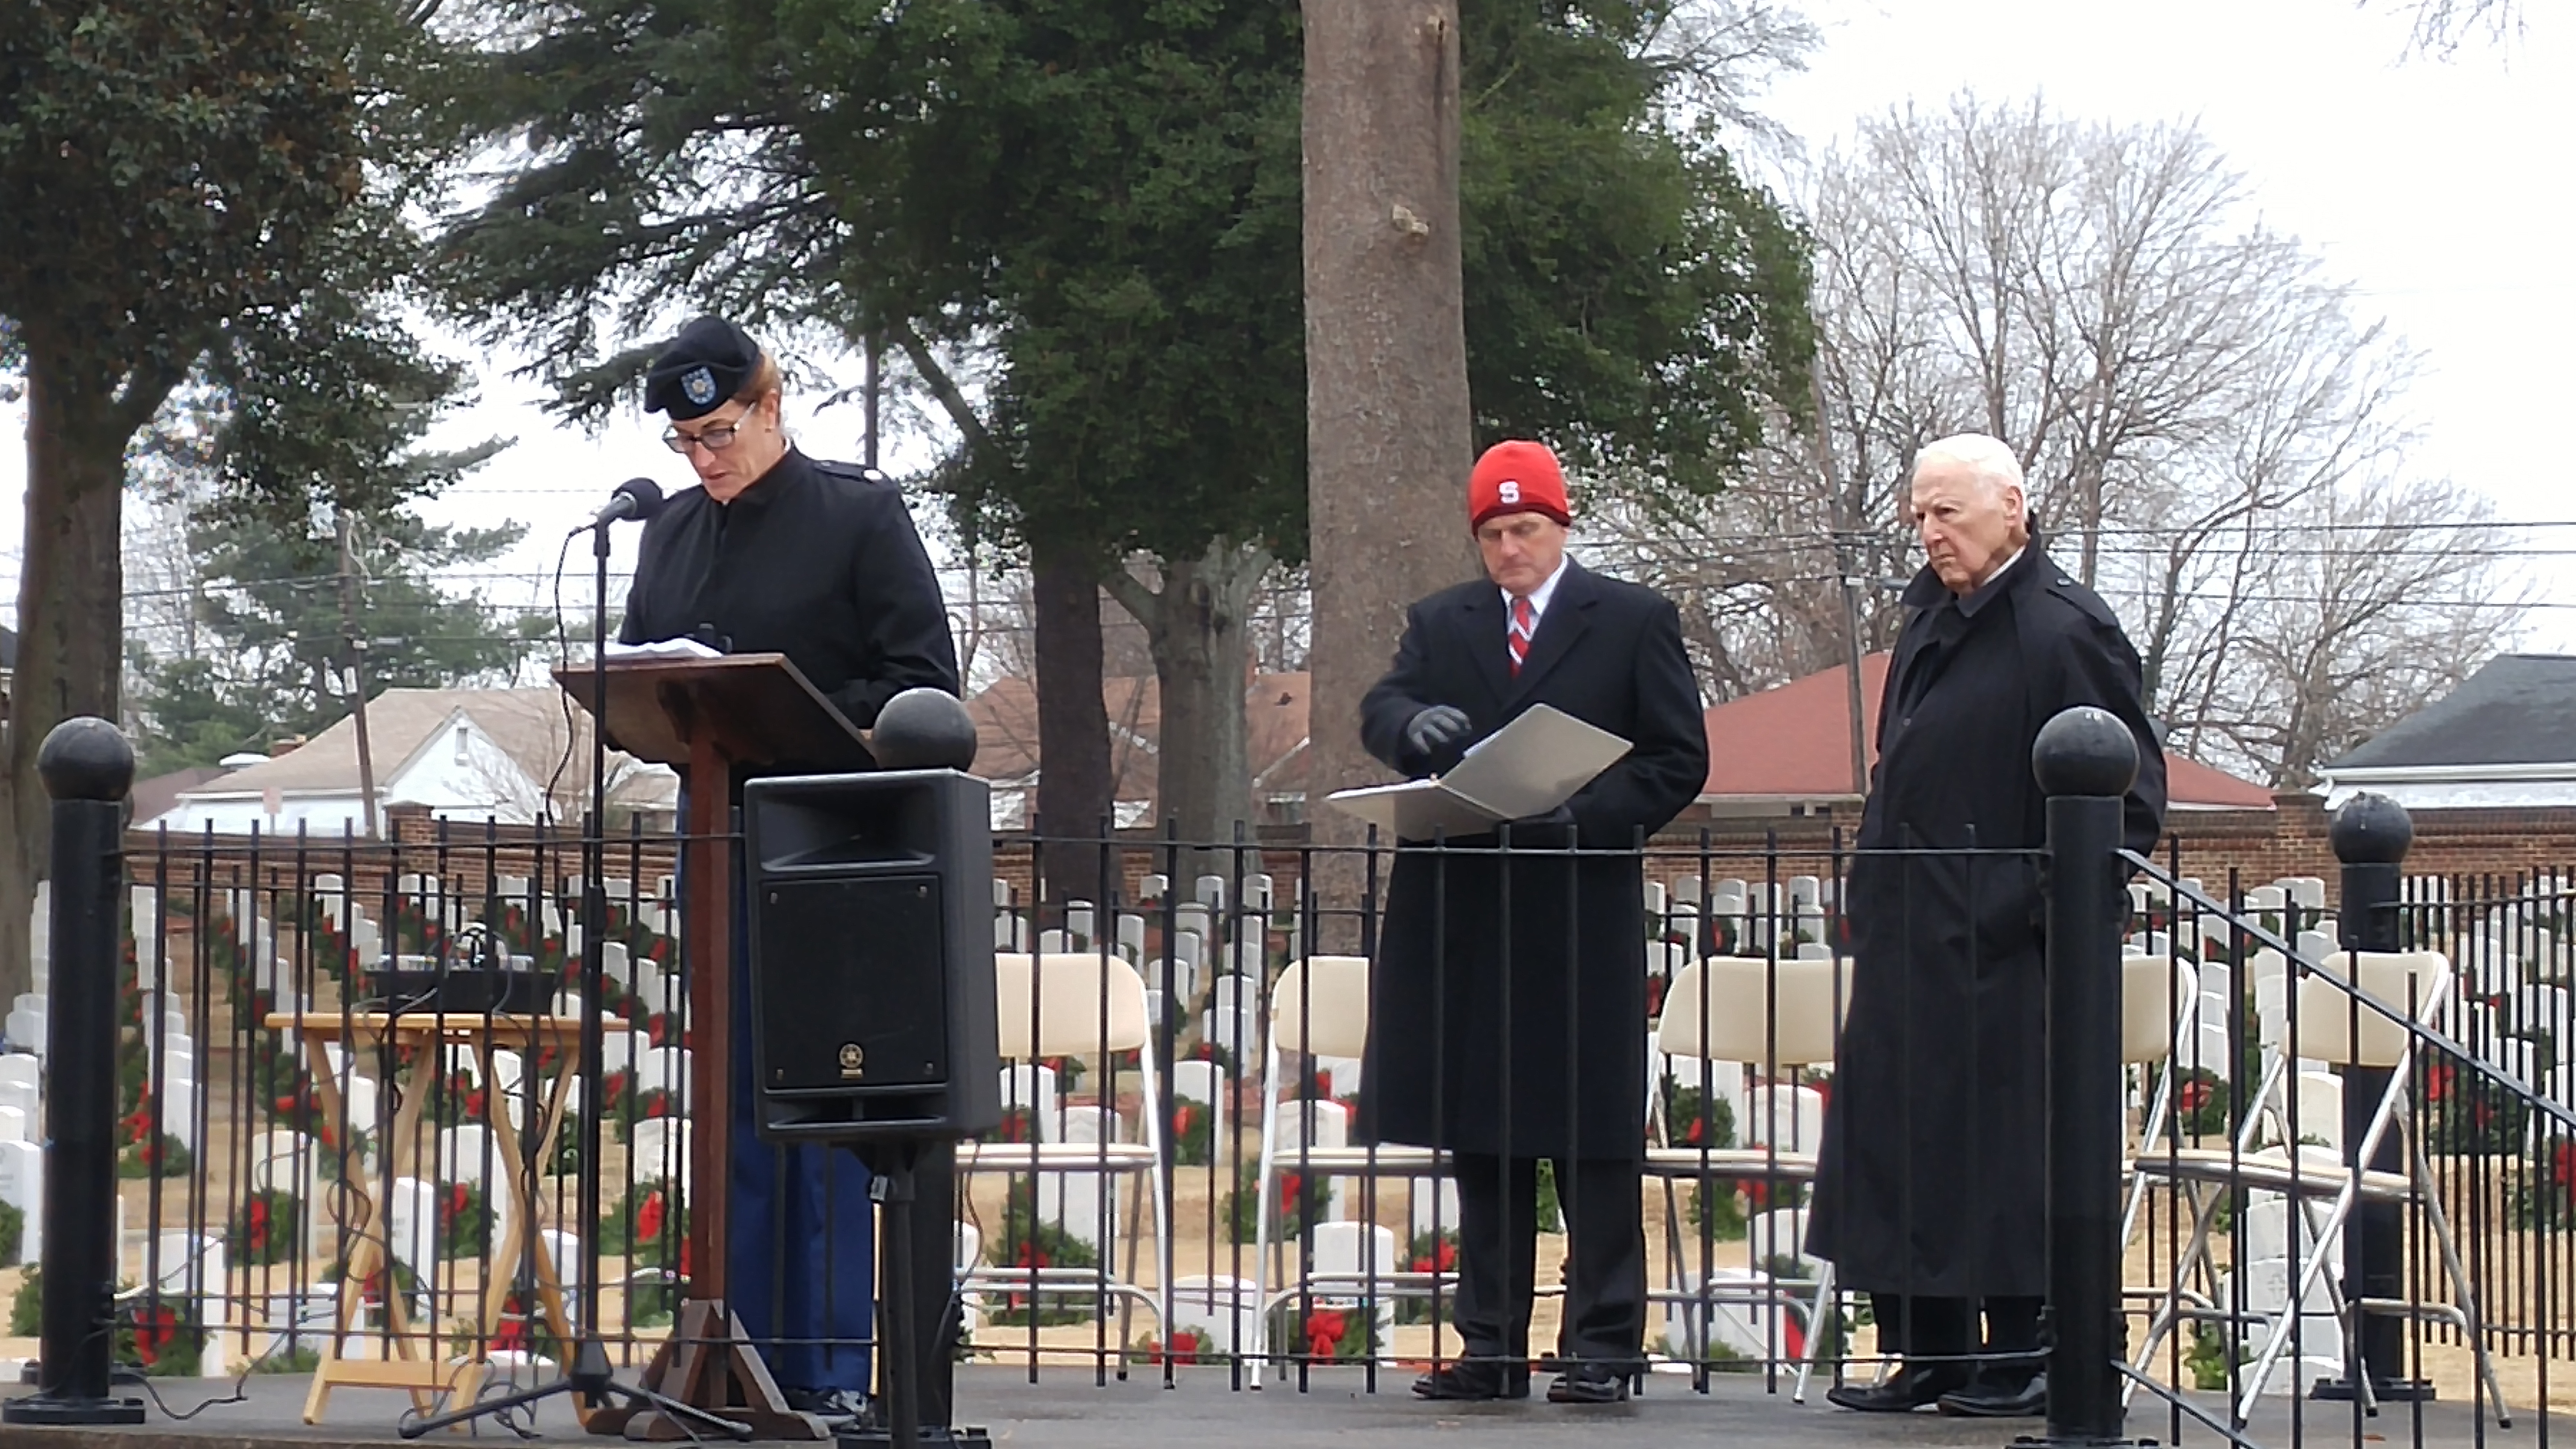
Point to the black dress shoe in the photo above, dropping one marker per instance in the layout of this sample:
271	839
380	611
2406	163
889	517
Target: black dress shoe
1589	1383
1472	1379
1902	1392
1985	1400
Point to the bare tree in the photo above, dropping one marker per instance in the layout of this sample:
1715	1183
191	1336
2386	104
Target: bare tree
2208	428
2442	26
2351	608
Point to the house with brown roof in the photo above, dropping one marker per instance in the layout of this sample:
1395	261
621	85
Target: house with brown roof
464	754
1787	751
1006	728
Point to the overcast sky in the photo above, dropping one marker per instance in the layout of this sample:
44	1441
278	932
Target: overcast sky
2438	187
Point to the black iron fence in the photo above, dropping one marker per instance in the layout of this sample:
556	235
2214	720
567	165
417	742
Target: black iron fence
2345	1175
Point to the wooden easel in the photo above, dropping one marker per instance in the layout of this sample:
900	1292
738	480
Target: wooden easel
405	1365
713	719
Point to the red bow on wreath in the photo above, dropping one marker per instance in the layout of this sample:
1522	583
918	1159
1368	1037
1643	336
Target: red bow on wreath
155	1329
1324	1330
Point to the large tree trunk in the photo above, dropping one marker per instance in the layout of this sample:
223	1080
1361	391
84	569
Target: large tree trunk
1074	786
71	635
1199	626
1388	431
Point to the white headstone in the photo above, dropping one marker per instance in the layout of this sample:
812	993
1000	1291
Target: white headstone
1789	1118
1090	1123
1083	1204
1344	1072
1434	1205
660	1150
22	1186
1367	1251
1233	1018
1311	1123
414	1210
617	1050
1223	1312
1030	1087
467	1153
192	1264
666	1068
1198	1081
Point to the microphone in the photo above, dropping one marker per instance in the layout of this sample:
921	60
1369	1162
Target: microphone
637	498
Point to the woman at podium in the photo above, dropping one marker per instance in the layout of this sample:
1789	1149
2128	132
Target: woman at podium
775	552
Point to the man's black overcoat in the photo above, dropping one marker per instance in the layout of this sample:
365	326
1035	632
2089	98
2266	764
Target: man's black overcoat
1565	1020
1931	1177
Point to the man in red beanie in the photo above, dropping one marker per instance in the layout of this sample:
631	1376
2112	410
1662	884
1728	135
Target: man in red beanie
1519	966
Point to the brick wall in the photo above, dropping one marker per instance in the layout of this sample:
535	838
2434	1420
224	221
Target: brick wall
2260	845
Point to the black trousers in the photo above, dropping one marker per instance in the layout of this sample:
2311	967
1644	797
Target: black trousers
1605	1290
1929	1328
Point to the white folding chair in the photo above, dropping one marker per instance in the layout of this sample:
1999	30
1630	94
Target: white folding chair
1079	1004
1320	1008
1723	1014
2335	1027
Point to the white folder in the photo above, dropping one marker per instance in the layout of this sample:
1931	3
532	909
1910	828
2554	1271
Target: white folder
1528	767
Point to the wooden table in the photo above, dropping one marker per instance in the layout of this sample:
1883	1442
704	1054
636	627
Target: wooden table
406	1364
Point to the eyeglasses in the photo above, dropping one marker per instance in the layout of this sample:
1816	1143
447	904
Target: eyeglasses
714	440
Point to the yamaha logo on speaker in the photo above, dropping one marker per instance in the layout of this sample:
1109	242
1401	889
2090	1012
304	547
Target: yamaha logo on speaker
854	1061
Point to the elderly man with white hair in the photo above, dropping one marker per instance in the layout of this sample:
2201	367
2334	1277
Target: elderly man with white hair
1929	1195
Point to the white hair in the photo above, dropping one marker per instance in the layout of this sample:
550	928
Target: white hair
1989	460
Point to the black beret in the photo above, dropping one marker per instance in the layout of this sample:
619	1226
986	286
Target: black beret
702	369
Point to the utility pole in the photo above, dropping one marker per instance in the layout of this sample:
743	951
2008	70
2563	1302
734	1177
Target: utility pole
872	386
1847	562
1848	539
357	669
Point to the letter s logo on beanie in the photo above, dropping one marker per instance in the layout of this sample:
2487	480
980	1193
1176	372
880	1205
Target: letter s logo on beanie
1510	491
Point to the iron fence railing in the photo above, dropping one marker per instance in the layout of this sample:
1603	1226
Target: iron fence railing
314	1162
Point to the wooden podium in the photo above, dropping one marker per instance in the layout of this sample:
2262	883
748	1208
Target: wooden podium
711	719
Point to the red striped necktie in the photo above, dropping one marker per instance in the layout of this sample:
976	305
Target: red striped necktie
1524	624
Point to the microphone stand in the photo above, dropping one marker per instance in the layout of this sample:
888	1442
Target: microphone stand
590	1374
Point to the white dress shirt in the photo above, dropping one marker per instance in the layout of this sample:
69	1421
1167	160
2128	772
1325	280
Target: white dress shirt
1539	596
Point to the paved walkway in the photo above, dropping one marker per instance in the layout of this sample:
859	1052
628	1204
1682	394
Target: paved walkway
1065	1410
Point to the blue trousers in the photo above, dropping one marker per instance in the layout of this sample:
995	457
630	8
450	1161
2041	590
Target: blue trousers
801	1233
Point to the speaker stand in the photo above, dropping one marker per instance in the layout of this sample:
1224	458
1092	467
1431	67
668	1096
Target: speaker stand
894	1421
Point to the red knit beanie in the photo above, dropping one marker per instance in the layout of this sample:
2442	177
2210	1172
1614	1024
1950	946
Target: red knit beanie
1516	477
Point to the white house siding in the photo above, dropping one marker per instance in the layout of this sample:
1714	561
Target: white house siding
2459	787
480	782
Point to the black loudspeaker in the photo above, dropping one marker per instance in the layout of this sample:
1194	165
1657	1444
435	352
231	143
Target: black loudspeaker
872	956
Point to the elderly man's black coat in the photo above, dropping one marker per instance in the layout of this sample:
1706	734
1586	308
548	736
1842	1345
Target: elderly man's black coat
1460	1042
1931	1175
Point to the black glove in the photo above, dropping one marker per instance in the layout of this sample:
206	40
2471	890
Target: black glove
1562	817
1434	729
